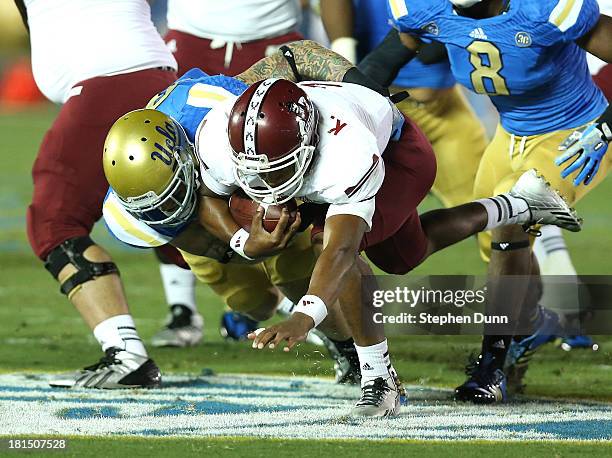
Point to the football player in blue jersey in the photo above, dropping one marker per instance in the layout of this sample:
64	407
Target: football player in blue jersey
530	59
436	103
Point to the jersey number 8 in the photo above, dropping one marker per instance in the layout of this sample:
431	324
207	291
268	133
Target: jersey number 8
489	70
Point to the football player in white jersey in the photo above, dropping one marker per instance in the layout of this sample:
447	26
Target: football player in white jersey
324	143
345	146
76	63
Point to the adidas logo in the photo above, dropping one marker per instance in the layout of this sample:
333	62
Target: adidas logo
478	34
503	246
367	367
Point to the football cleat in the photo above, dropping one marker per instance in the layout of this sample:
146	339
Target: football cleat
346	361
380	397
568	343
545	204
522	350
183	328
236	326
485	385
116	370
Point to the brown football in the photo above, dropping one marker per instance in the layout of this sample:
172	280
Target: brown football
242	209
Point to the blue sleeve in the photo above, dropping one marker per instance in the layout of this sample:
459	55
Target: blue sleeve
175	101
568	20
412	16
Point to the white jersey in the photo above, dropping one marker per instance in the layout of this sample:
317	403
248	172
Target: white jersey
595	64
234	21
355	126
74	40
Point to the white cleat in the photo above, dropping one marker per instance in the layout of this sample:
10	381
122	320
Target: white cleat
379	398
183	329
118	369
545	204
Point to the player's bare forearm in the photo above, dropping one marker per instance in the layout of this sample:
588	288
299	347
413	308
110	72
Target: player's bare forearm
313	61
337	16
343	234
599	40
215	217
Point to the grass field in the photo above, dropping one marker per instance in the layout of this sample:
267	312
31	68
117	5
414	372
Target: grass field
41	332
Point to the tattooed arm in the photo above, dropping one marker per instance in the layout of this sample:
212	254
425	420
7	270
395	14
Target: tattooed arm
313	62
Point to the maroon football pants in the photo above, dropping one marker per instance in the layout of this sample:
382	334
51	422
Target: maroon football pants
604	80
69	182
194	52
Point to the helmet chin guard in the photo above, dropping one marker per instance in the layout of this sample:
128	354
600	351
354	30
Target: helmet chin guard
272	128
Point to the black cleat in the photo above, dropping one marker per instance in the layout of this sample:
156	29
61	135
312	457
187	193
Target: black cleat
485	385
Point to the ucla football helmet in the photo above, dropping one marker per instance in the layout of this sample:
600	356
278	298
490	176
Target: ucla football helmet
151	166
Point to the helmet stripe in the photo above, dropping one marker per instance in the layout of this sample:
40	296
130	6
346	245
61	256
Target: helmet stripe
250	124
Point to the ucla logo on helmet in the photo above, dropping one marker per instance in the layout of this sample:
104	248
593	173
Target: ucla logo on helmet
523	40
164	152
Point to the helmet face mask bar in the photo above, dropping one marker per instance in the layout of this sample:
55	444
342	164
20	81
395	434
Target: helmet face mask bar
176	205
248	173
253	161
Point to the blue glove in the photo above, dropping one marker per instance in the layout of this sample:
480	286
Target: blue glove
587	147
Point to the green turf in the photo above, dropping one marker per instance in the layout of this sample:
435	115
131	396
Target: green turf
42	332
246	447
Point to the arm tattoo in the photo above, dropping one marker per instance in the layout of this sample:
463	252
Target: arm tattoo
314	62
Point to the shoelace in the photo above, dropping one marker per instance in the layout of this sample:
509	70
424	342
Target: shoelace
107	360
373	393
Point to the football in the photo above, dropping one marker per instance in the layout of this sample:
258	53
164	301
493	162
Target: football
242	209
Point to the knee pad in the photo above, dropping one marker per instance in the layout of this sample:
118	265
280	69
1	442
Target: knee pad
71	252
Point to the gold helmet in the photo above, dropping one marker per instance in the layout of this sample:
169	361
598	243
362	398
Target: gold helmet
149	163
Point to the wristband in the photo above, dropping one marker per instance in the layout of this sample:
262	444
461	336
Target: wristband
238	241
312	306
346	47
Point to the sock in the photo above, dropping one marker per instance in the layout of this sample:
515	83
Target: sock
497	346
179	285
285	307
119	331
505	209
552	254
374	361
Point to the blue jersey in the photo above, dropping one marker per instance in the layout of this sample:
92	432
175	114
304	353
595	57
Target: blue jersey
372	25
187	101
193	95
526	60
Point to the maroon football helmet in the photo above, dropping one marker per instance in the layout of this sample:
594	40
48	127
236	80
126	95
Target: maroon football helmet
272	128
